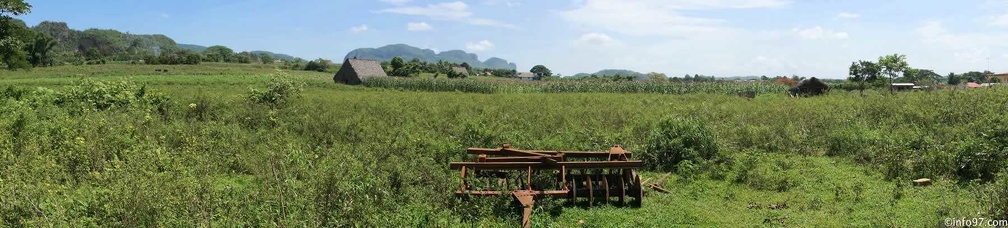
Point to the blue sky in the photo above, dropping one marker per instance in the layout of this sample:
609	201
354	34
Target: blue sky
712	37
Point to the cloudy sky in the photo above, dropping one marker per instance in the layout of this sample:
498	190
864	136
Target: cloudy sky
676	37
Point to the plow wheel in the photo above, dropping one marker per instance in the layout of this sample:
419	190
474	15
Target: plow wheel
605	184
622	190
573	190
638	191
591	191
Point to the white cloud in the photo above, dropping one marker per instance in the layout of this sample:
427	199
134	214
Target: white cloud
358	29
815	33
999	20
418	26
165	15
507	3
659	17
594	39
848	15
450	11
484	45
396	2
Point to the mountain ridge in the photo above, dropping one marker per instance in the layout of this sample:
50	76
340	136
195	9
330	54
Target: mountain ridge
407	52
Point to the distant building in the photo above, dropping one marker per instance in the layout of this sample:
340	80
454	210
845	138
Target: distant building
1002	78
972	85
903	86
354	71
528	76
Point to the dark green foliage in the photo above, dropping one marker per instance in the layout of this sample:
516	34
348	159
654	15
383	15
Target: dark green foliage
997	207
541	72
14	7
179	57
219	54
675	140
320	65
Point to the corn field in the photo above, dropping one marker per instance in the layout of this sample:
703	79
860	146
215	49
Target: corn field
567	86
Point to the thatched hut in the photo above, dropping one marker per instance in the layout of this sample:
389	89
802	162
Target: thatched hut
354	71
809	87
527	76
460	70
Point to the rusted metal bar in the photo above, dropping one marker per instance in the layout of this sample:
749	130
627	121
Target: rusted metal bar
516	152
553	193
541	165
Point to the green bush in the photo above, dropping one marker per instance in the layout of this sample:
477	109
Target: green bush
998	203
675	140
279	91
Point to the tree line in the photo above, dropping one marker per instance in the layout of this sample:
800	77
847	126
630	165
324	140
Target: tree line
399	67
895	68
54	43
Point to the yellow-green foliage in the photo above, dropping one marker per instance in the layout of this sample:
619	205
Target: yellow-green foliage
350	156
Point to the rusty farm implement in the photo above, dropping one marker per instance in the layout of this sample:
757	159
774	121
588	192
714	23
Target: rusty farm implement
607	176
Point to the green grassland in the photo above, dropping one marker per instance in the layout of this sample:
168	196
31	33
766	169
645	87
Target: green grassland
125	146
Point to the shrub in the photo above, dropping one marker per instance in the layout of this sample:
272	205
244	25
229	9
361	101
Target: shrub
201	109
101	96
280	89
675	140
997	207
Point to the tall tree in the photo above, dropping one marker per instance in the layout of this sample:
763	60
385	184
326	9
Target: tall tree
266	58
398	65
953	79
892	66
541	71
657	77
14	35
14	8
38	51
219	53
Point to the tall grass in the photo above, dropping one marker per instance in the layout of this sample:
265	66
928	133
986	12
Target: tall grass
566	86
203	155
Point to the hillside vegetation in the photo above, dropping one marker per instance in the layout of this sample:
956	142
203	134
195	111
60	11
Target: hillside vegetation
124	146
407	52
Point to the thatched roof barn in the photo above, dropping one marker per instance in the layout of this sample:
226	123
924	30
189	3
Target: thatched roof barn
809	87
525	76
354	71
460	70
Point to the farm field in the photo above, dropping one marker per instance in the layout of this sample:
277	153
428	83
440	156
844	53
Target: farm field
125	146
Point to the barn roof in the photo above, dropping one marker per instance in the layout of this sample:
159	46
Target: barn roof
366	68
459	69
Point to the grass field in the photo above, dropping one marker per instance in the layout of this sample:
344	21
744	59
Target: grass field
89	148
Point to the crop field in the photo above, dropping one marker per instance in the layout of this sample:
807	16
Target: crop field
483	85
247	145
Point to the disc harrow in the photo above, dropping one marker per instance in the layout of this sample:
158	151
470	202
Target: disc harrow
579	176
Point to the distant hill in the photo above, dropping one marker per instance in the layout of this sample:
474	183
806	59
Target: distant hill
75	45
276	55
200	48
193	47
407	52
610	72
78	45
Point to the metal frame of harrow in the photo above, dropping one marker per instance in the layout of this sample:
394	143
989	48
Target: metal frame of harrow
586	175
